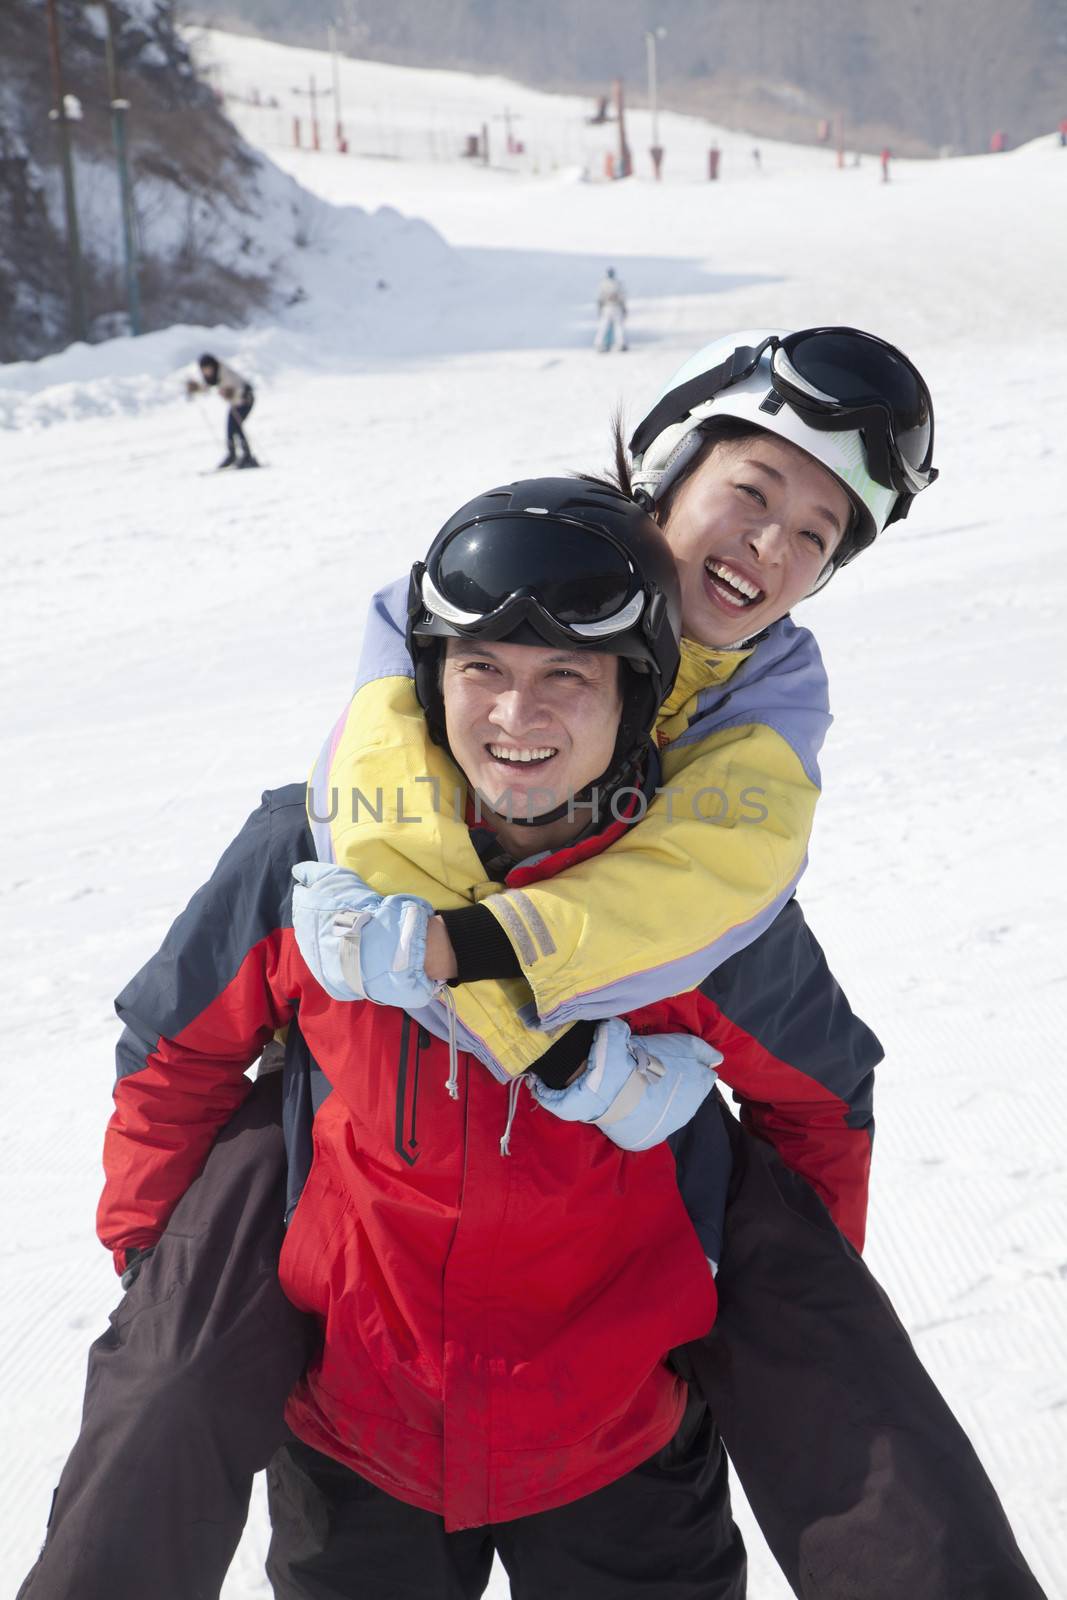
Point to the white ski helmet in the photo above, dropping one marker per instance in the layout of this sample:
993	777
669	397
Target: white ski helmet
797	386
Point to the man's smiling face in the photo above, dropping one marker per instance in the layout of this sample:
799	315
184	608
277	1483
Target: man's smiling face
529	727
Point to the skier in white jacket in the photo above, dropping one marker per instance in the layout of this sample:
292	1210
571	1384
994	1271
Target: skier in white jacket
239	397
611	304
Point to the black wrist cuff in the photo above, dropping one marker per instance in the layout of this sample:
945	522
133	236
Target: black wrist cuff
482	948
561	1061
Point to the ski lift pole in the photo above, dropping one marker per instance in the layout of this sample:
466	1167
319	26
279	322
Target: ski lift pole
119	108
59	116
313	94
508	118
338	125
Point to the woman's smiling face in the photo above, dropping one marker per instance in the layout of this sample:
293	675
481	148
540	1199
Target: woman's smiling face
751	530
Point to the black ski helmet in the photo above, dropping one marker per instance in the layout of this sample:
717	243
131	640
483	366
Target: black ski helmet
204	363
571	562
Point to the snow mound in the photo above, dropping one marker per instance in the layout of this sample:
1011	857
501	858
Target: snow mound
355	269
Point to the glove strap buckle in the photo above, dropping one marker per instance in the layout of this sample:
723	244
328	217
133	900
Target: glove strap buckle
348	926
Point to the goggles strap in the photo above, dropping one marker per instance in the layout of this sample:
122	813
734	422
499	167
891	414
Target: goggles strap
681	401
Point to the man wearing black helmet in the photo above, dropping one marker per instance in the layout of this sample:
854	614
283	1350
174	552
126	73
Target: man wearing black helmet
604	580
239	398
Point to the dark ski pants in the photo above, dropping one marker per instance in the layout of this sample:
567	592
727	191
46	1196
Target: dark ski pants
184	1397
662	1532
862	1481
236	416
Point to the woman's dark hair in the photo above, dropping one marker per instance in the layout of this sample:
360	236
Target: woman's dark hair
716	431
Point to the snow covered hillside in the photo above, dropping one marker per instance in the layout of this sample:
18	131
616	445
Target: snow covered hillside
175	642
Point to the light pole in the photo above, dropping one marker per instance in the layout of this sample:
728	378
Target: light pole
652	37
119	108
624	166
61	117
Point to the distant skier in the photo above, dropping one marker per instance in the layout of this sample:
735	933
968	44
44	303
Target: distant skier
611	304
239	397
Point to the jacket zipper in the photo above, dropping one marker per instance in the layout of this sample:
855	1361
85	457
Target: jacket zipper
405	1140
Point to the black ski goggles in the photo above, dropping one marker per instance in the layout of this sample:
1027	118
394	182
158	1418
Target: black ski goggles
585	590
835	379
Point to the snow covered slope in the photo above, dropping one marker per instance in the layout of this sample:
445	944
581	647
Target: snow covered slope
174	643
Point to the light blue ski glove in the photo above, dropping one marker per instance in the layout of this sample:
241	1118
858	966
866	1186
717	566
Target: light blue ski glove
637	1087
361	945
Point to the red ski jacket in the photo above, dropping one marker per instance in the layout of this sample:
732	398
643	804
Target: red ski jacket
495	1327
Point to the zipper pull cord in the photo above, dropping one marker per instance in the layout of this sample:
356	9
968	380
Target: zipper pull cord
513	1100
444	993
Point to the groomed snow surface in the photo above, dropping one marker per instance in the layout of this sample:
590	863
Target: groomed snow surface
175	642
